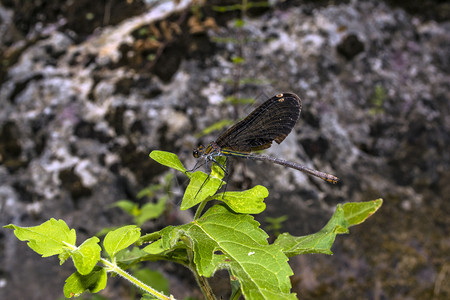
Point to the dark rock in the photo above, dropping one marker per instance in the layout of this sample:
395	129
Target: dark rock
350	46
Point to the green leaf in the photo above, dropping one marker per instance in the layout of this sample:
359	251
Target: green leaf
239	23
377	100
151	211
222	239
225	40
240	6
275	224
214	127
155	248
147	212
227	8
149	238
149	191
246	202
236	291
321	242
143	31
120	239
64	256
218	167
171	241
357	212
49	238
239	101
105	231
128	206
200	187
87	255
128	257
168	159
154	279
263	3
237	60
93	282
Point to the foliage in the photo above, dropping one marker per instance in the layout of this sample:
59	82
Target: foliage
378	99
223	237
275	224
148	211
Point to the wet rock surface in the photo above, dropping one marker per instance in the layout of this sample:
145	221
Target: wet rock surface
83	106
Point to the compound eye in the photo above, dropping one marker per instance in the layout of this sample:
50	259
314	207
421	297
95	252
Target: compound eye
198	152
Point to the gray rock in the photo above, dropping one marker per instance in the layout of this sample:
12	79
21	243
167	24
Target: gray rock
78	120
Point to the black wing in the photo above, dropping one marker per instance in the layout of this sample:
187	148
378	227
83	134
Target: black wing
271	121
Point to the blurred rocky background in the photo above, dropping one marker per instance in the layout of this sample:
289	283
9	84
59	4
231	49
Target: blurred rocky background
89	88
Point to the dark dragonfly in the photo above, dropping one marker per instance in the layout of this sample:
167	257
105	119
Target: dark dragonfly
271	121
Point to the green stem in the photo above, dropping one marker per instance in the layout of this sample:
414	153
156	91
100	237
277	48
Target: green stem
116	269
201	281
200	209
203	284
236	295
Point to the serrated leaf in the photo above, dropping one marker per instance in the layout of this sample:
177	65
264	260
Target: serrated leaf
200	187
87	255
168	159
319	242
357	212
49	238
345	216
245	202
224	240
93	282
120	239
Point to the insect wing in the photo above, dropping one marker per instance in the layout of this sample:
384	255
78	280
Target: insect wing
271	121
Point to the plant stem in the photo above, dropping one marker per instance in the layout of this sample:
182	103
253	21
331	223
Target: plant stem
203	284
201	281
200	209
116	269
